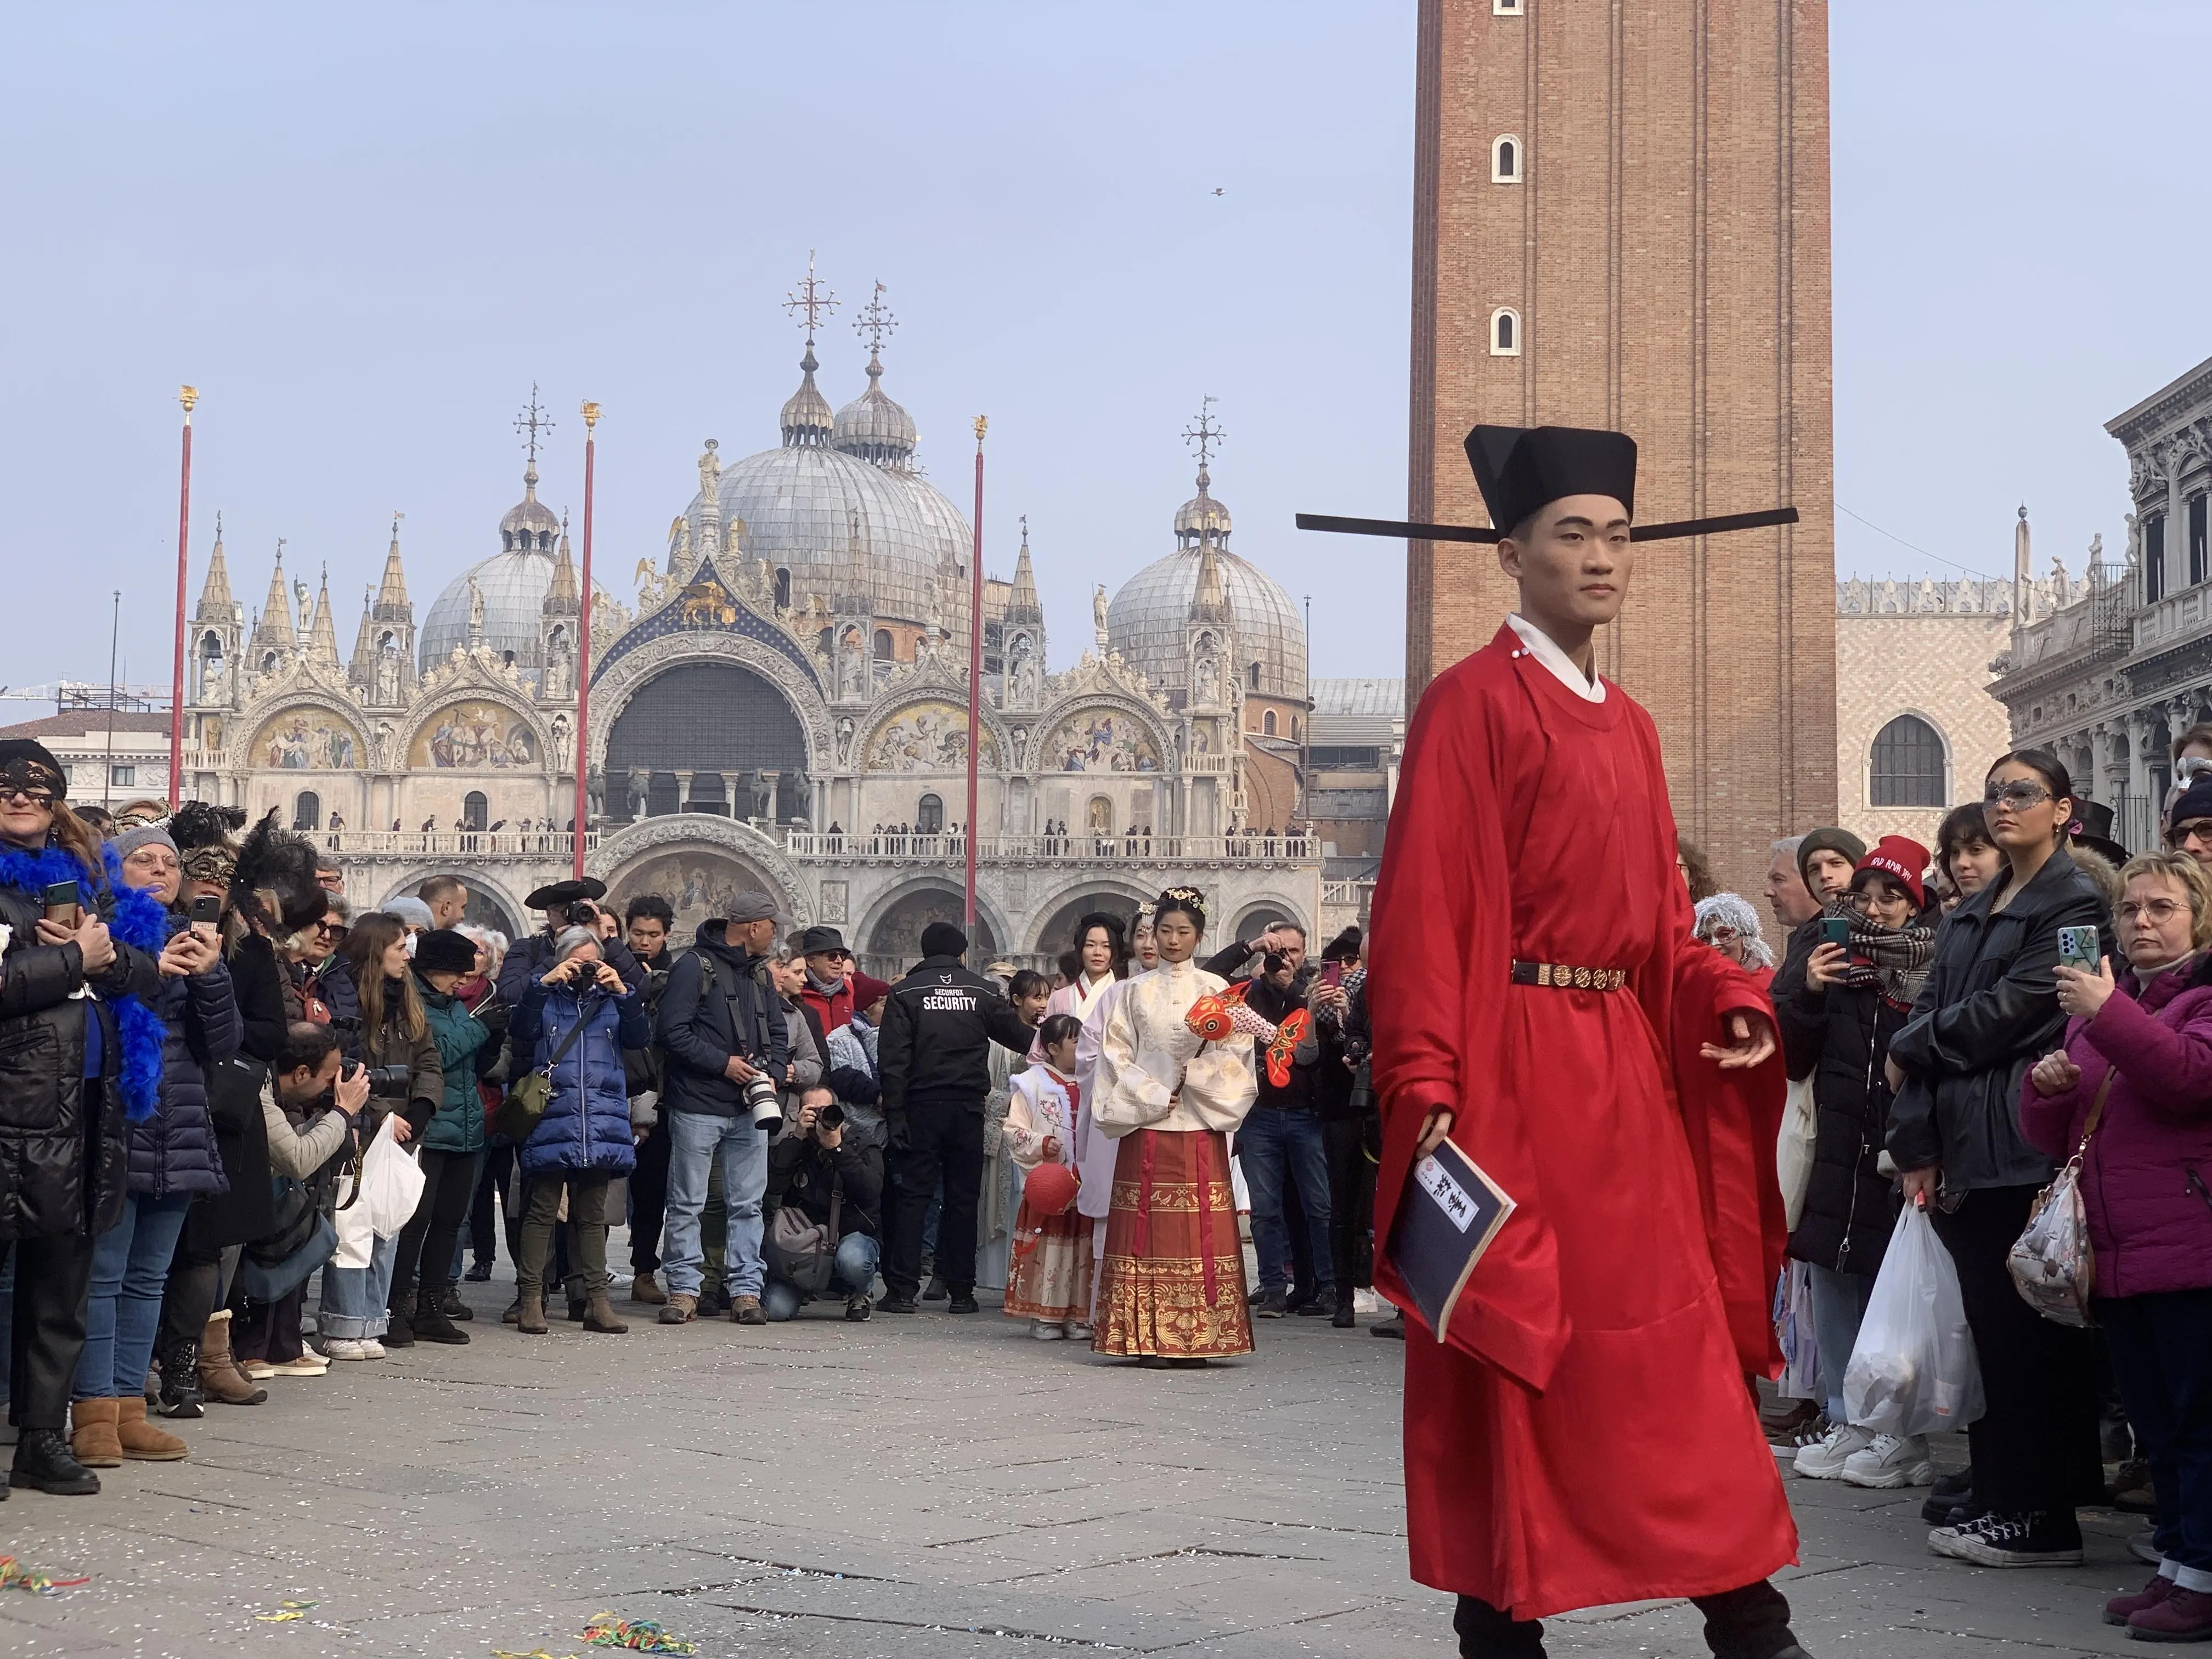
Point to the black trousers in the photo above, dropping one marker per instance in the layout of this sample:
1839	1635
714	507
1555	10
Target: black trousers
53	1283
944	1140
648	1201
426	1242
2161	1349
2035	1447
188	1300
1750	1623
1350	1202
483	1206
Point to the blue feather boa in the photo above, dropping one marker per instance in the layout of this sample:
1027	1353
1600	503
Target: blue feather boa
136	918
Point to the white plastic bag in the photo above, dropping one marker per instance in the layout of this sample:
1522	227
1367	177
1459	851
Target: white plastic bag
1913	1371
1792	1150
391	1183
356	1238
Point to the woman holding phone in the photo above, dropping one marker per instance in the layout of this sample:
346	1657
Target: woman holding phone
79	1050
1988	1011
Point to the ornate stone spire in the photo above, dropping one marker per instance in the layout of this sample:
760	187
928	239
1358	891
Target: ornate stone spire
564	597
1210	603
1022	605
360	670
215	602
275	631
391	602
322	632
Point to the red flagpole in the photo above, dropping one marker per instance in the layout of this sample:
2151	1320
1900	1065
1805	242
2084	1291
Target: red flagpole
975	675
187	396
591	412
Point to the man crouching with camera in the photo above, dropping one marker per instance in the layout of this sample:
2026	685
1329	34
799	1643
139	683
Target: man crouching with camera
725	1052
829	1193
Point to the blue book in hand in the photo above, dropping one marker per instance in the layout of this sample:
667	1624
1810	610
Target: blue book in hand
1450	1212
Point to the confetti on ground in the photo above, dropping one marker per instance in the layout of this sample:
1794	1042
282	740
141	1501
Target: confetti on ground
286	1612
14	1575
534	1653
638	1635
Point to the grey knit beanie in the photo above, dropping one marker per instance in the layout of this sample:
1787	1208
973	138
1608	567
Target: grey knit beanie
146	835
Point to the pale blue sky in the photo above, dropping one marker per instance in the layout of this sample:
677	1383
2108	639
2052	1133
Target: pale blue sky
364	234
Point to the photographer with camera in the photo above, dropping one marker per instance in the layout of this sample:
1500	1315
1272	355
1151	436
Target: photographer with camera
310	1097
726	1051
406	1084
830	1196
575	1020
564	904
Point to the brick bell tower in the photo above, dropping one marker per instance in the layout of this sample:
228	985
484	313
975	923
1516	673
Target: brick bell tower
1622	220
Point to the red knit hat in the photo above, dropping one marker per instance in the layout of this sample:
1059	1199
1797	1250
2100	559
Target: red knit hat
1900	857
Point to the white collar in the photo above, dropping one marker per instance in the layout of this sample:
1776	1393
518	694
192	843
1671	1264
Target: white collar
1546	650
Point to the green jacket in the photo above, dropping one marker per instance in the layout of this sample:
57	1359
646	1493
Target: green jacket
461	1038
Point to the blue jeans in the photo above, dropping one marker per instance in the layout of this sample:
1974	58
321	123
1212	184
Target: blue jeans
696	1141
1839	1303
355	1299
852	1272
1273	1145
130	1269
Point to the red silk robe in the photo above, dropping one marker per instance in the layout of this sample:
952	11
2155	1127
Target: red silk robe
1587	1438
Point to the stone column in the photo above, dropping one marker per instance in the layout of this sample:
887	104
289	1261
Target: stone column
730	792
683	790
773	779
2177	527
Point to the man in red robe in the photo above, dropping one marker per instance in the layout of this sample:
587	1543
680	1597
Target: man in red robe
1588	1435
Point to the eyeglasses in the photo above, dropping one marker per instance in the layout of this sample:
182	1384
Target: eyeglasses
332	929
42	798
2157	912
2021	791
2198	829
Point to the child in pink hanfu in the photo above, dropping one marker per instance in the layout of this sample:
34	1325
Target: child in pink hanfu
1051	1286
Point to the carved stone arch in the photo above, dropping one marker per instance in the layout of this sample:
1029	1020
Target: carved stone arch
1050	922
426	706
936	699
253	721
1253	908
611	692
998	930
1040	760
517	920
621	853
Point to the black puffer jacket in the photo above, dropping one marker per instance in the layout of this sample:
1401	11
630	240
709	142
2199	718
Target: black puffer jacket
243	1213
939	1023
1840	1039
174	1152
718	1002
1988	1011
63	1157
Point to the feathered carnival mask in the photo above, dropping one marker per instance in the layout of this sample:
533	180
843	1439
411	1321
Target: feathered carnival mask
275	883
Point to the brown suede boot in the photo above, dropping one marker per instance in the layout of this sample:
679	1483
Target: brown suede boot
531	1320
222	1377
141	1439
599	1315
92	1434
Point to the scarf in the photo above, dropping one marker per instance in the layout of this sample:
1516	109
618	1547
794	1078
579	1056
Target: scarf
137	919
1891	960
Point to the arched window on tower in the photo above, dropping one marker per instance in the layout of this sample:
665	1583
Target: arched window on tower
929	815
307	811
475	811
1907	767
782	588
1505	160
1267	723
883	652
1505	332
1252	676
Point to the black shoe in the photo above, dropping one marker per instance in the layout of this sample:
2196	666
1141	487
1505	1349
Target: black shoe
43	1459
2038	1538
713	1299
1950	1494
479	1272
453	1306
1253	1300
937	1291
896	1304
399	1332
430	1323
577	1309
1271	1305
180	1395
1312	1308
962	1303
1394	1326
856	1306
1343	1318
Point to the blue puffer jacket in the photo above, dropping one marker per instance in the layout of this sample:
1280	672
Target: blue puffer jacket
587	1121
174	1152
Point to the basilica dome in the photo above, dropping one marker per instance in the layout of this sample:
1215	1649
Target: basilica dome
1148	620
514	582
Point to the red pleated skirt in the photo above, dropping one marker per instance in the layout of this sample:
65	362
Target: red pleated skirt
1174	1279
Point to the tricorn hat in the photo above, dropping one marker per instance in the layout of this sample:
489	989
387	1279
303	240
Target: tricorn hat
566	892
1521	469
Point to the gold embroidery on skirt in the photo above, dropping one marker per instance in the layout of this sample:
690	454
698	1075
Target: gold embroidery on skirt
1153	1305
1176	1197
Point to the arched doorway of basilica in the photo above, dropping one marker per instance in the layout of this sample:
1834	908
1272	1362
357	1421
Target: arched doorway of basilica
725	728
1058	933
698	881
894	944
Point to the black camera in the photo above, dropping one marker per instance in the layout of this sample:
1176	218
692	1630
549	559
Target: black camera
386	1082
831	1116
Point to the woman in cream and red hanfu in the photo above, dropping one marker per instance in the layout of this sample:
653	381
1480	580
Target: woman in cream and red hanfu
1172	1290
1588	1435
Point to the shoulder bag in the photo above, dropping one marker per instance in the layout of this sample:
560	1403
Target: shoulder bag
801	1251
2052	1264
524	1107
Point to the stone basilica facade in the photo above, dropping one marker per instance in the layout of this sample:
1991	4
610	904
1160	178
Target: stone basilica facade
784	705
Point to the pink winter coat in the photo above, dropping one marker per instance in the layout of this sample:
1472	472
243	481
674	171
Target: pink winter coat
2147	1179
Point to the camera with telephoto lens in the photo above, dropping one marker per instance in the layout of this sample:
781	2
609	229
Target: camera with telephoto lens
385	1082
831	1116
762	1102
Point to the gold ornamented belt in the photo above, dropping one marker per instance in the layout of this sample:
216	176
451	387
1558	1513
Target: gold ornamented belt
1560	977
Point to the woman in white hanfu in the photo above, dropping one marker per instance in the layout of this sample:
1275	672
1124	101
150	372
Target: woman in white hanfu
1094	1149
1172	1290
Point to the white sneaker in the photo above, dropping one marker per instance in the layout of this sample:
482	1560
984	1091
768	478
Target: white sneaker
1824	1458
1077	1330
345	1348
371	1348
1046	1330
1890	1461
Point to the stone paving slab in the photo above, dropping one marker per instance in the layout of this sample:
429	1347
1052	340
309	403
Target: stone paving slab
927	1487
